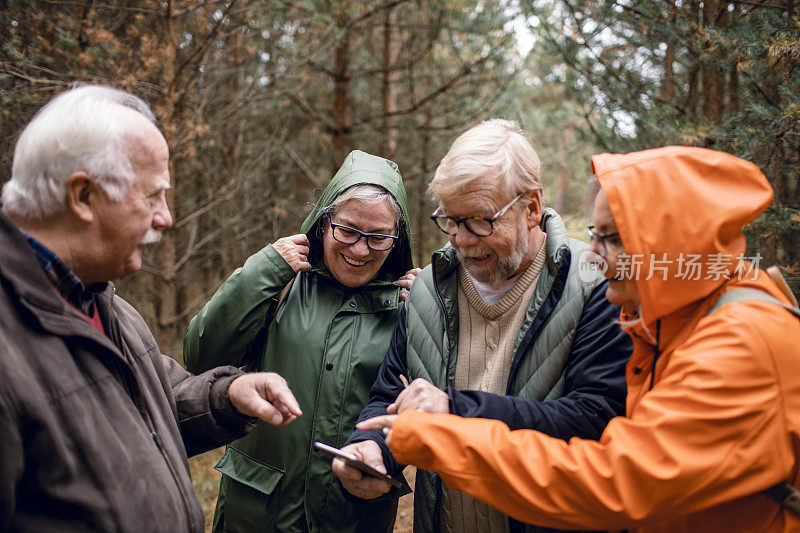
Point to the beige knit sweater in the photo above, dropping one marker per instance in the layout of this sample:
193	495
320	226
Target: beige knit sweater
486	337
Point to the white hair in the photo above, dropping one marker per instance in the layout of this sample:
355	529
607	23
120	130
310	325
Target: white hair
80	130
496	149
367	193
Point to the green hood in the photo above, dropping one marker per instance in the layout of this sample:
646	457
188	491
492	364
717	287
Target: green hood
362	168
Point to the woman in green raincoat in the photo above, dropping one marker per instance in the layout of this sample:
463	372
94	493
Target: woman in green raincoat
327	339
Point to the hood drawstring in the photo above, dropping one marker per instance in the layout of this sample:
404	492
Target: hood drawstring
656	352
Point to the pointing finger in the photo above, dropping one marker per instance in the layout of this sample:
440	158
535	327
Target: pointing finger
285	400
378	422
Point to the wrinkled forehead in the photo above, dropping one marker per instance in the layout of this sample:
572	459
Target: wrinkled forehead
477	197
363	213
146	149
145	145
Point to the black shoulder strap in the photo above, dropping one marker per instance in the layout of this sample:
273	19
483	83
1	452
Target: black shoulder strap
253	355
277	301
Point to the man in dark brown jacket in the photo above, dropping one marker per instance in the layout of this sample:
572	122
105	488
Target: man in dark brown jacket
95	423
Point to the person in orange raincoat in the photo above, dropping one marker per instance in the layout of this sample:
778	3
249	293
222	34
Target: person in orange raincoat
713	406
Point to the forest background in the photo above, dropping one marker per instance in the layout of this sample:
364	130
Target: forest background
260	102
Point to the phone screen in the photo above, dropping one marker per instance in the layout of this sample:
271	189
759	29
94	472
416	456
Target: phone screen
355	462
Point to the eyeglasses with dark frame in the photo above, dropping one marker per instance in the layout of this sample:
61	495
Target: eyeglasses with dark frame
602	240
478	226
375	241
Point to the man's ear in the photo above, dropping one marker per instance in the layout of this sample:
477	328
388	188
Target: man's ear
83	195
535	208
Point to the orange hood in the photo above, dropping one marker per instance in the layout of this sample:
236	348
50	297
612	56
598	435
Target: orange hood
682	202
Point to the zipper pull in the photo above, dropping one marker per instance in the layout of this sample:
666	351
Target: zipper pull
157	440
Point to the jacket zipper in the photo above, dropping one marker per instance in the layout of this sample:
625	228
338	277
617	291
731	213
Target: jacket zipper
656	353
437	503
444	314
136	396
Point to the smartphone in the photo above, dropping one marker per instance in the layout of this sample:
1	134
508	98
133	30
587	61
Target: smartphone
355	462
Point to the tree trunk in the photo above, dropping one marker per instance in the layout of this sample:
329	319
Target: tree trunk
713	77
423	224
692	81
389	86
733	77
341	89
733	89
165	294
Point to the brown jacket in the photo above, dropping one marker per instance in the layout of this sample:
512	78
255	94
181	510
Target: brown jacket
95	429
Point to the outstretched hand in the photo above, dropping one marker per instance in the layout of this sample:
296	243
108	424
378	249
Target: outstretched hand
294	250
264	395
383	423
405	281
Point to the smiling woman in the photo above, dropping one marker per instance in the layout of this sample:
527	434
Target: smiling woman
349	240
328	340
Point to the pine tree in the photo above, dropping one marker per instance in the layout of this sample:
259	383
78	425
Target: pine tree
717	73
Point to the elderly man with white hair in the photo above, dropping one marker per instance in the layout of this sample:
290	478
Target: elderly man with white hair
97	424
503	324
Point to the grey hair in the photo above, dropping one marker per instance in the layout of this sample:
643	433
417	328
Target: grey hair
78	130
368	193
496	149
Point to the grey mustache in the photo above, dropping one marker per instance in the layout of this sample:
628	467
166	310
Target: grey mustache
152	236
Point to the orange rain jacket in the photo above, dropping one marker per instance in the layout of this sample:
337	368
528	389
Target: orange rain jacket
722	419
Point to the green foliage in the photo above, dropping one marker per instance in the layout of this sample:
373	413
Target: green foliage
259	102
719	74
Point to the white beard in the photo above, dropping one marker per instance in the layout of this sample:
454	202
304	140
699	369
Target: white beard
495	275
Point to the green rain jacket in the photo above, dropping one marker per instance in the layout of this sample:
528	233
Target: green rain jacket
328	341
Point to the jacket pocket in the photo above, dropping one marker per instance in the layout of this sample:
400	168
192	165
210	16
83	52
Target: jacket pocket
249	471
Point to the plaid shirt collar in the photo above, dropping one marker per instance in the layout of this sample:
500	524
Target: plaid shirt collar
68	285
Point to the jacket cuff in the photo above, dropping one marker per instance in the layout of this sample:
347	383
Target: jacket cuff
277	261
452	401
223	410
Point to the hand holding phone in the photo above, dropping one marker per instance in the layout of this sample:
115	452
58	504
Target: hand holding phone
355	462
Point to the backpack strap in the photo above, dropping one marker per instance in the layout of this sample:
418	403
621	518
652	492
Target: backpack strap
277	301
253	355
783	493
786	495
741	295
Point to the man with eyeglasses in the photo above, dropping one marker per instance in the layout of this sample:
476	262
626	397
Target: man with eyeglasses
500	325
